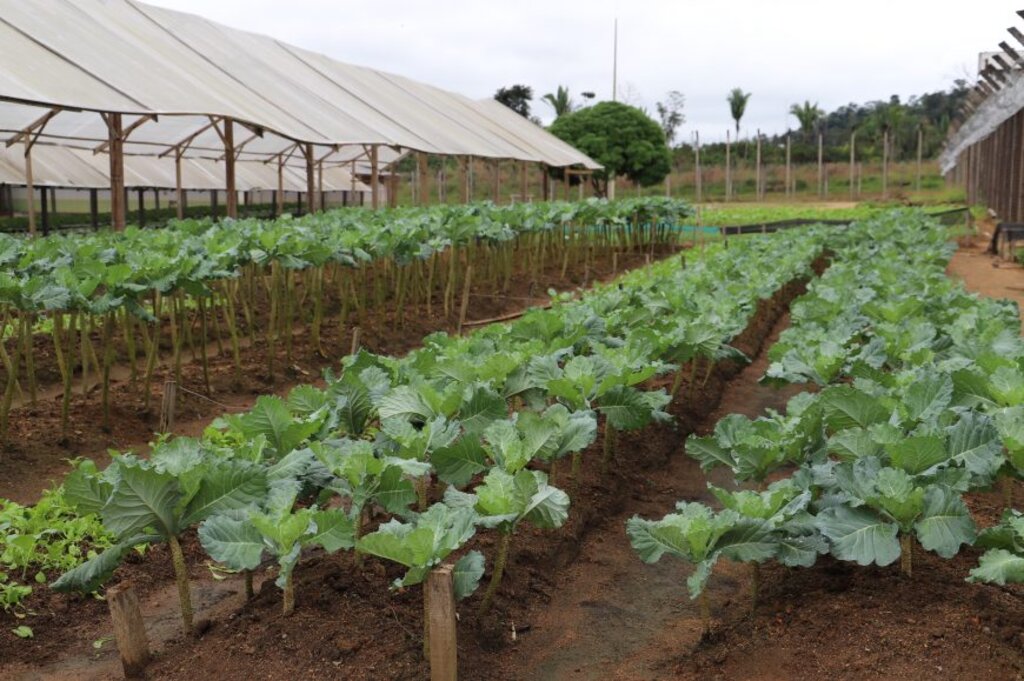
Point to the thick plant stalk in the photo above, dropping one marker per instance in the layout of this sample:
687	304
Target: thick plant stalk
705	612
288	602
201	300
423	492
129	340
27	323
271	333
249	591
10	362
181	577
65	372
553	472
232	324
609	447
499	570
318	309
1007	485
755	585
108	360
152	350
907	554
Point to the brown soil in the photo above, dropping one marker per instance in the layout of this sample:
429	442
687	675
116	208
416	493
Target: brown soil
36	454
987	274
347	624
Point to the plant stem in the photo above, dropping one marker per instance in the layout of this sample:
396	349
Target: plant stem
181	576
289	596
249	592
705	612
907	554
609	447
499	570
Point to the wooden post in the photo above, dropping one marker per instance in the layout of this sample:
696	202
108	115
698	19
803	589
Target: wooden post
545	181
853	163
497	181
129	630
374	178
758	161
141	193
94	208
214	203
356	336
179	193
565	180
439	609
156	198
698	184
393	180
465	298
728	166
821	158
115	148
30	190
167	406
229	168
885	163
789	168
523	182
920	151
320	184
423	183
310	179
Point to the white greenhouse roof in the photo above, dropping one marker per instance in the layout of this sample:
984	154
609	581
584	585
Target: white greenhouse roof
79	169
82	57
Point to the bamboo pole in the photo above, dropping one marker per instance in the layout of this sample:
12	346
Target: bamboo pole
310	180
760	193
179	193
920	151
699	185
280	186
523	181
853	163
423	183
821	165
885	163
789	168
728	166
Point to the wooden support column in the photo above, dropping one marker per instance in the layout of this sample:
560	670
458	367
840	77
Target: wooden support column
179	193
142	206
30	191
497	181
229	168
758	161
320	184
423	181
213	204
115	145
374	178
310	179
394	181
523	183
565	181
545	183
464	162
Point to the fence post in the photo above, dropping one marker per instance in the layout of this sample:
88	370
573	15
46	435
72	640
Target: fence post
441	625
129	630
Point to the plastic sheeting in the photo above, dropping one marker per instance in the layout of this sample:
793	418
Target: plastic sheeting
90	56
990	114
77	169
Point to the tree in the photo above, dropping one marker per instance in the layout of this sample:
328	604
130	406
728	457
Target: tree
808	114
517	98
671	114
619	137
560	101
738	105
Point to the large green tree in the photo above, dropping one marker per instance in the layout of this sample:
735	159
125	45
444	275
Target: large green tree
619	137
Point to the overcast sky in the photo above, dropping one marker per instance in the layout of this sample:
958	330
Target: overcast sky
783	51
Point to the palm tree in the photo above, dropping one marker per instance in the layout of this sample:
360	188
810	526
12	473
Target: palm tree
808	114
738	105
561	102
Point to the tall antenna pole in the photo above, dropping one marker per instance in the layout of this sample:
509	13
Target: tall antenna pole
615	62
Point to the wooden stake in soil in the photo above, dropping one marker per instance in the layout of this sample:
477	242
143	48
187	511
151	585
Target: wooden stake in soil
440	624
167	407
129	630
356	334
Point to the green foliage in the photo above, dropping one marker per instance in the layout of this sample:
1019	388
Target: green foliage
619	137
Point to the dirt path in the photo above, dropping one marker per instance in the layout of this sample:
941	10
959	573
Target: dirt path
613	617
986	274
